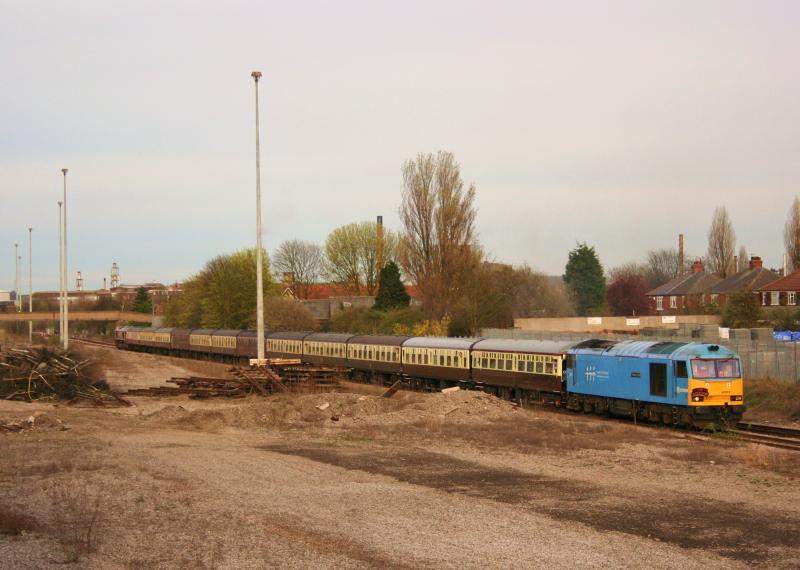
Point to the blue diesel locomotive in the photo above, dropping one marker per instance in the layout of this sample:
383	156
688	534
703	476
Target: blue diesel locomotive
670	382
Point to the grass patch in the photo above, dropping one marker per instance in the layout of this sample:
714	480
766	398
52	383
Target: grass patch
776	399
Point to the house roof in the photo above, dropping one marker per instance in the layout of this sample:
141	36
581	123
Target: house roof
745	279
789	283
686	284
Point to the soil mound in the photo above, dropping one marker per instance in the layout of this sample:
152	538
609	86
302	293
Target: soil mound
336	409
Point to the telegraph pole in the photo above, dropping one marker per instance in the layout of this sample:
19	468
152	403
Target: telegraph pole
30	283
256	75
65	338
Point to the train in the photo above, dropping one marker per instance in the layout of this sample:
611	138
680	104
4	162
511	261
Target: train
674	383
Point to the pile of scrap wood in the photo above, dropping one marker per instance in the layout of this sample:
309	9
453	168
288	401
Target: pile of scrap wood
37	373
264	380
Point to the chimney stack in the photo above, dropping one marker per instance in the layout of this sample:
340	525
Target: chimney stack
380	245
681	262
697	266
79	282
755	262
114	275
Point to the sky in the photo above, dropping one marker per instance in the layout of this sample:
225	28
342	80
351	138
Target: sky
617	123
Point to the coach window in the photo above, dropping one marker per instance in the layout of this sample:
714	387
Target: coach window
529	366
492	363
539	367
509	364
449	361
549	368
520	366
441	360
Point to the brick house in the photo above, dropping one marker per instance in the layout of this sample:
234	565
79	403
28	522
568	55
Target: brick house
685	294
782	292
754	277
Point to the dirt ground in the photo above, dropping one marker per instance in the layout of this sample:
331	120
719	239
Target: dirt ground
459	480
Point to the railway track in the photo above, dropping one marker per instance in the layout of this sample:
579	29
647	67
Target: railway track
773	436
106	343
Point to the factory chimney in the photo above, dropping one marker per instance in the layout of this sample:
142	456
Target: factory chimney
105	282
79	281
681	262
379	246
114	275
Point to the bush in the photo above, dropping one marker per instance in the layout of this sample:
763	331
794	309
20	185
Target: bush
371	321
742	310
785	319
287	315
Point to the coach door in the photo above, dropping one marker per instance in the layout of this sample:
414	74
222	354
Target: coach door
658	379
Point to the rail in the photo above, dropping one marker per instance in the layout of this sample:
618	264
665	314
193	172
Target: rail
773	436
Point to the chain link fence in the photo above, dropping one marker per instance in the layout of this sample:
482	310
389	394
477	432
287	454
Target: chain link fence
760	358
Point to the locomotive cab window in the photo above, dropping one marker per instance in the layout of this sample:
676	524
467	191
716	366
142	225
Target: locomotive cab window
680	369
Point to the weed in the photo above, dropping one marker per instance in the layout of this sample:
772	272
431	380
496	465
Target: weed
14	522
76	518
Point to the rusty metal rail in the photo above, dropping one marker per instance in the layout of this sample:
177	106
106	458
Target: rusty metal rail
286	376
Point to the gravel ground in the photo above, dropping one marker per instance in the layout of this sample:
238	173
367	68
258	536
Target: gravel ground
458	480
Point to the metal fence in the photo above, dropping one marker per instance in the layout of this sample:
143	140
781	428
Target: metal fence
760	358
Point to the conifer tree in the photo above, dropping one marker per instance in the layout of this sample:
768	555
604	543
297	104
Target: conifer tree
391	293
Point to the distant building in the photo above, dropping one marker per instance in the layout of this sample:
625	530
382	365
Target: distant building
782	292
684	294
753	278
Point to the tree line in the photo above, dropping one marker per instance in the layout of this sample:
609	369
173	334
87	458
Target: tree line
461	289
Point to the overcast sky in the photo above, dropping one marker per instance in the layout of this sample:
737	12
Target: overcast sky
620	124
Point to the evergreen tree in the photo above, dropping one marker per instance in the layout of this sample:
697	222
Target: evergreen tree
142	302
391	293
584	278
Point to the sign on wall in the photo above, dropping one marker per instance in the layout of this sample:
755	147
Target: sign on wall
594	320
632	322
669	320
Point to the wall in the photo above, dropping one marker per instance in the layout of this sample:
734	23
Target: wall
606	324
325	309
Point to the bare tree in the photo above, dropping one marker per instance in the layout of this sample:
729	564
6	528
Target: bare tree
438	247
629	269
743	261
721	243
303	260
352	255
791	235
662	265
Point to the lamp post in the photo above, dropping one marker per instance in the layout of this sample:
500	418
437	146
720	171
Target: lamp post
30	283
65	338
256	75
16	277
60	276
